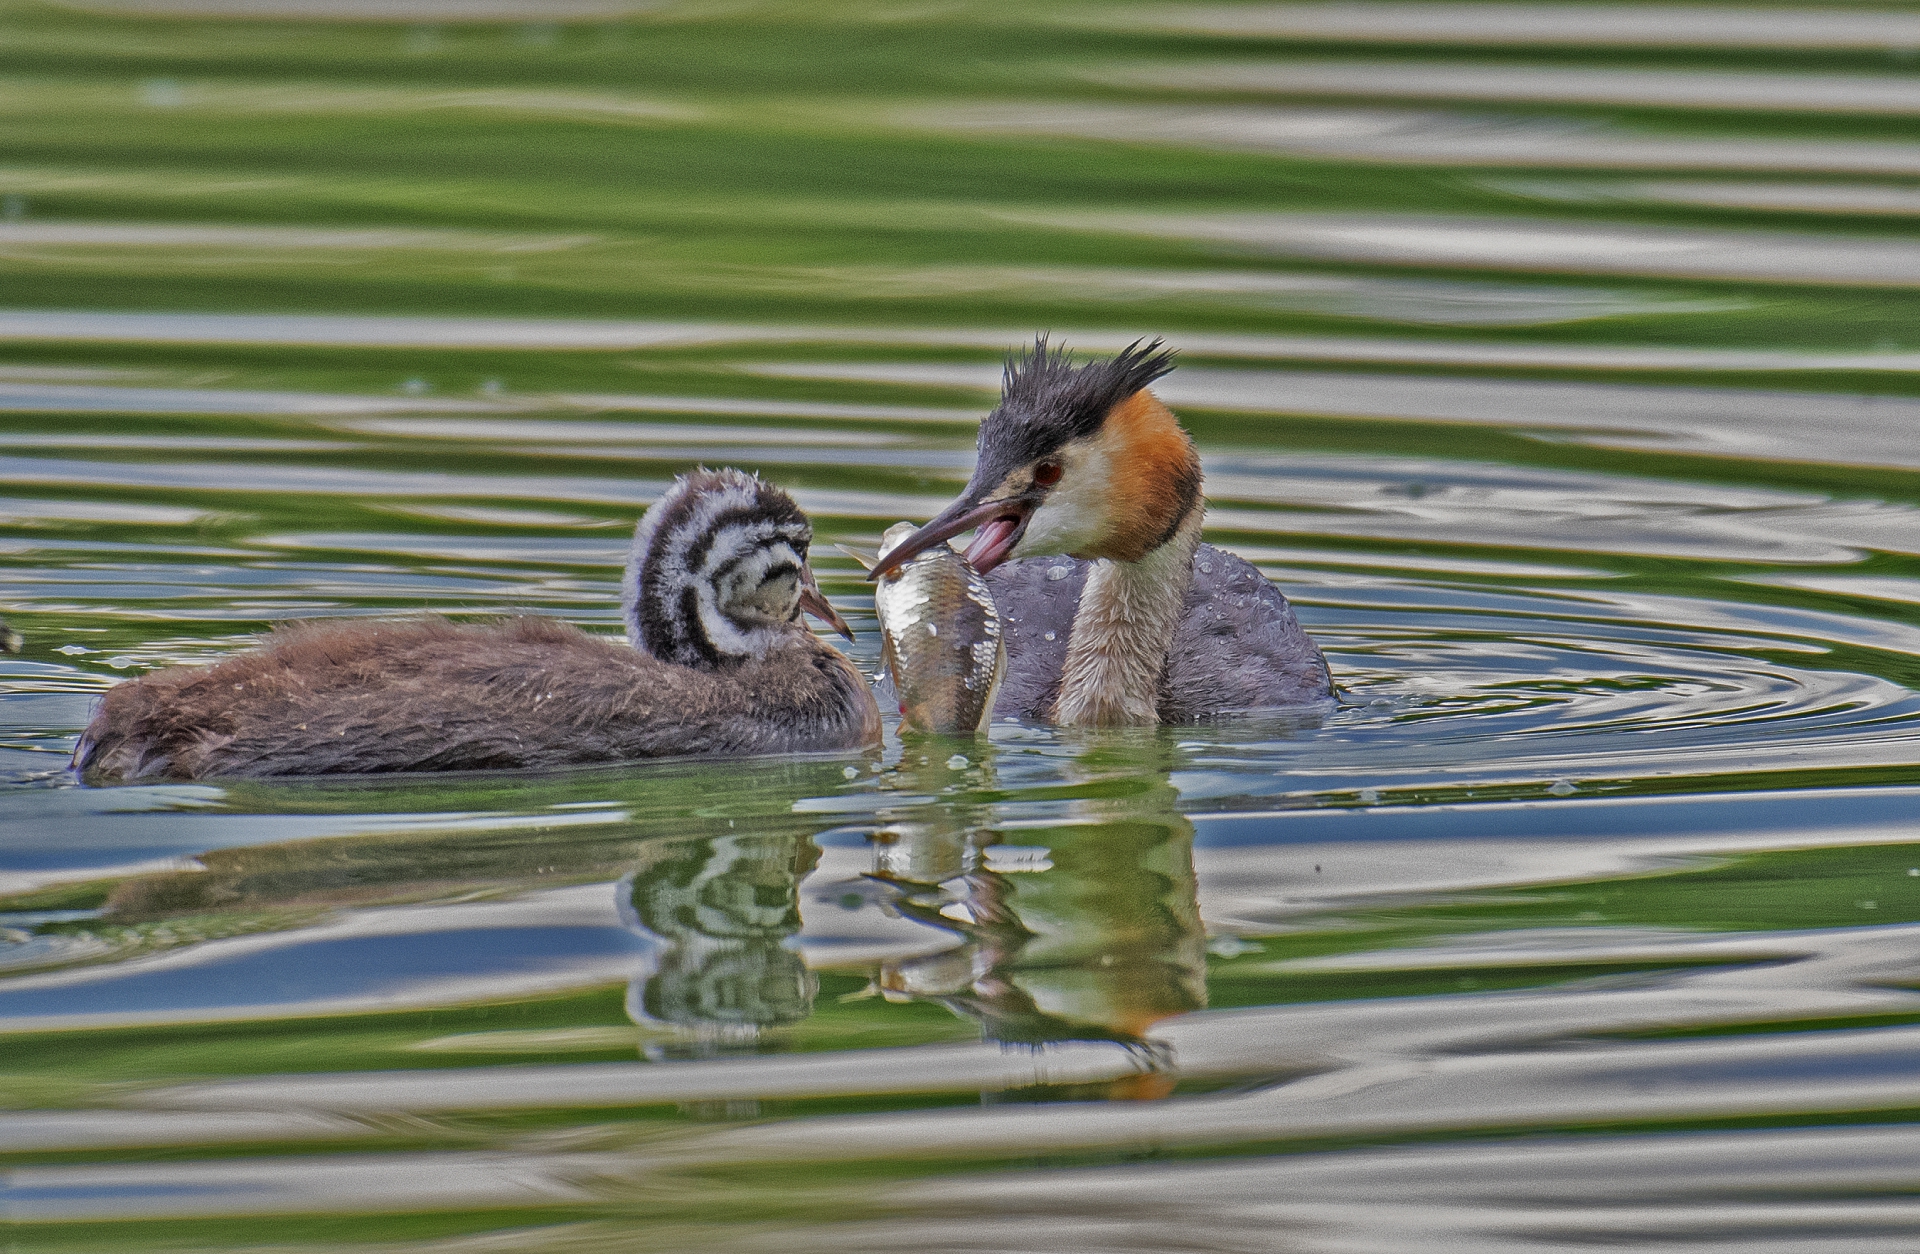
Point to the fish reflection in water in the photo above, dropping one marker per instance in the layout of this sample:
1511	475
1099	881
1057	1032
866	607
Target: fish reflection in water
1068	932
1098	946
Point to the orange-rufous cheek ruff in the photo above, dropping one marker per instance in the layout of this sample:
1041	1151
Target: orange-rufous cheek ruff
1154	477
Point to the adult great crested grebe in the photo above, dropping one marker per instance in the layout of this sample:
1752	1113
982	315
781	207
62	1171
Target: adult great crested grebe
720	664
1138	622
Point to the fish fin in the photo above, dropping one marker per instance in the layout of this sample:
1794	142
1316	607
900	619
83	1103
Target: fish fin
867	560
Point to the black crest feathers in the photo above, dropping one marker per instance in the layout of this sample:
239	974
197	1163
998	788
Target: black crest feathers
1045	377
1046	401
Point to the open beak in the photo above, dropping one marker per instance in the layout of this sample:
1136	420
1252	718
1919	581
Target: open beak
814	602
1000	523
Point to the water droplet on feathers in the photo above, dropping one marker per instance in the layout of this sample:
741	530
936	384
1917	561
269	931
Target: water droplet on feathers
1058	572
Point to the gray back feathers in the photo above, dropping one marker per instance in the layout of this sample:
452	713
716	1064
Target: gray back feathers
1238	645
716	570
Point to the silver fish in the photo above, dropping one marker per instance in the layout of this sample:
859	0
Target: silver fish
940	634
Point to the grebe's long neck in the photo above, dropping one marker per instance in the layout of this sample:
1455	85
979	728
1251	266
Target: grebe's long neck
1123	631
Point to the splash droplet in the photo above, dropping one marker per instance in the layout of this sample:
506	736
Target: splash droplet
958	762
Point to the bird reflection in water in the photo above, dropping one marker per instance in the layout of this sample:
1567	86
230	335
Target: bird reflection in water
723	909
1069	931
1082	927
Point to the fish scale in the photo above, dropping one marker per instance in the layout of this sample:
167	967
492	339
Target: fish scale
941	639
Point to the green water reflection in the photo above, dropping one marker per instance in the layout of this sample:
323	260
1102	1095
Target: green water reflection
1565	381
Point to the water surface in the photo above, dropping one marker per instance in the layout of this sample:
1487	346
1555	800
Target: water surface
1557	361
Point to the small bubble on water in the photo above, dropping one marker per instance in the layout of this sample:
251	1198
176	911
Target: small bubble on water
1369	795
119	663
492	387
958	762
1058	572
851	772
416	387
1048	636
1868	905
73	650
1560	788
1229	946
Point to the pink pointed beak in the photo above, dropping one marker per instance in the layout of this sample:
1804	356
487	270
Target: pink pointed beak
1000	525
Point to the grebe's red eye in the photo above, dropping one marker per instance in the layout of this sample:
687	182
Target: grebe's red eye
1046	474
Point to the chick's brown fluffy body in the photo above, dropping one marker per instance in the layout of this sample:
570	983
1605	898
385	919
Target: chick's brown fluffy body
366	697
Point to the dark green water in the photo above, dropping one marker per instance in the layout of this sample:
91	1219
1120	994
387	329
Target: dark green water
1558	361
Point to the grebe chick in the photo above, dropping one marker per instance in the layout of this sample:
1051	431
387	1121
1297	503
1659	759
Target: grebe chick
720	664
1135	621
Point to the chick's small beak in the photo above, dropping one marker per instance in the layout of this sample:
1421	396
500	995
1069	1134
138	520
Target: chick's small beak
1001	524
815	602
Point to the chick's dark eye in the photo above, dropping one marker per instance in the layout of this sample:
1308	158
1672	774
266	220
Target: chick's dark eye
1046	474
